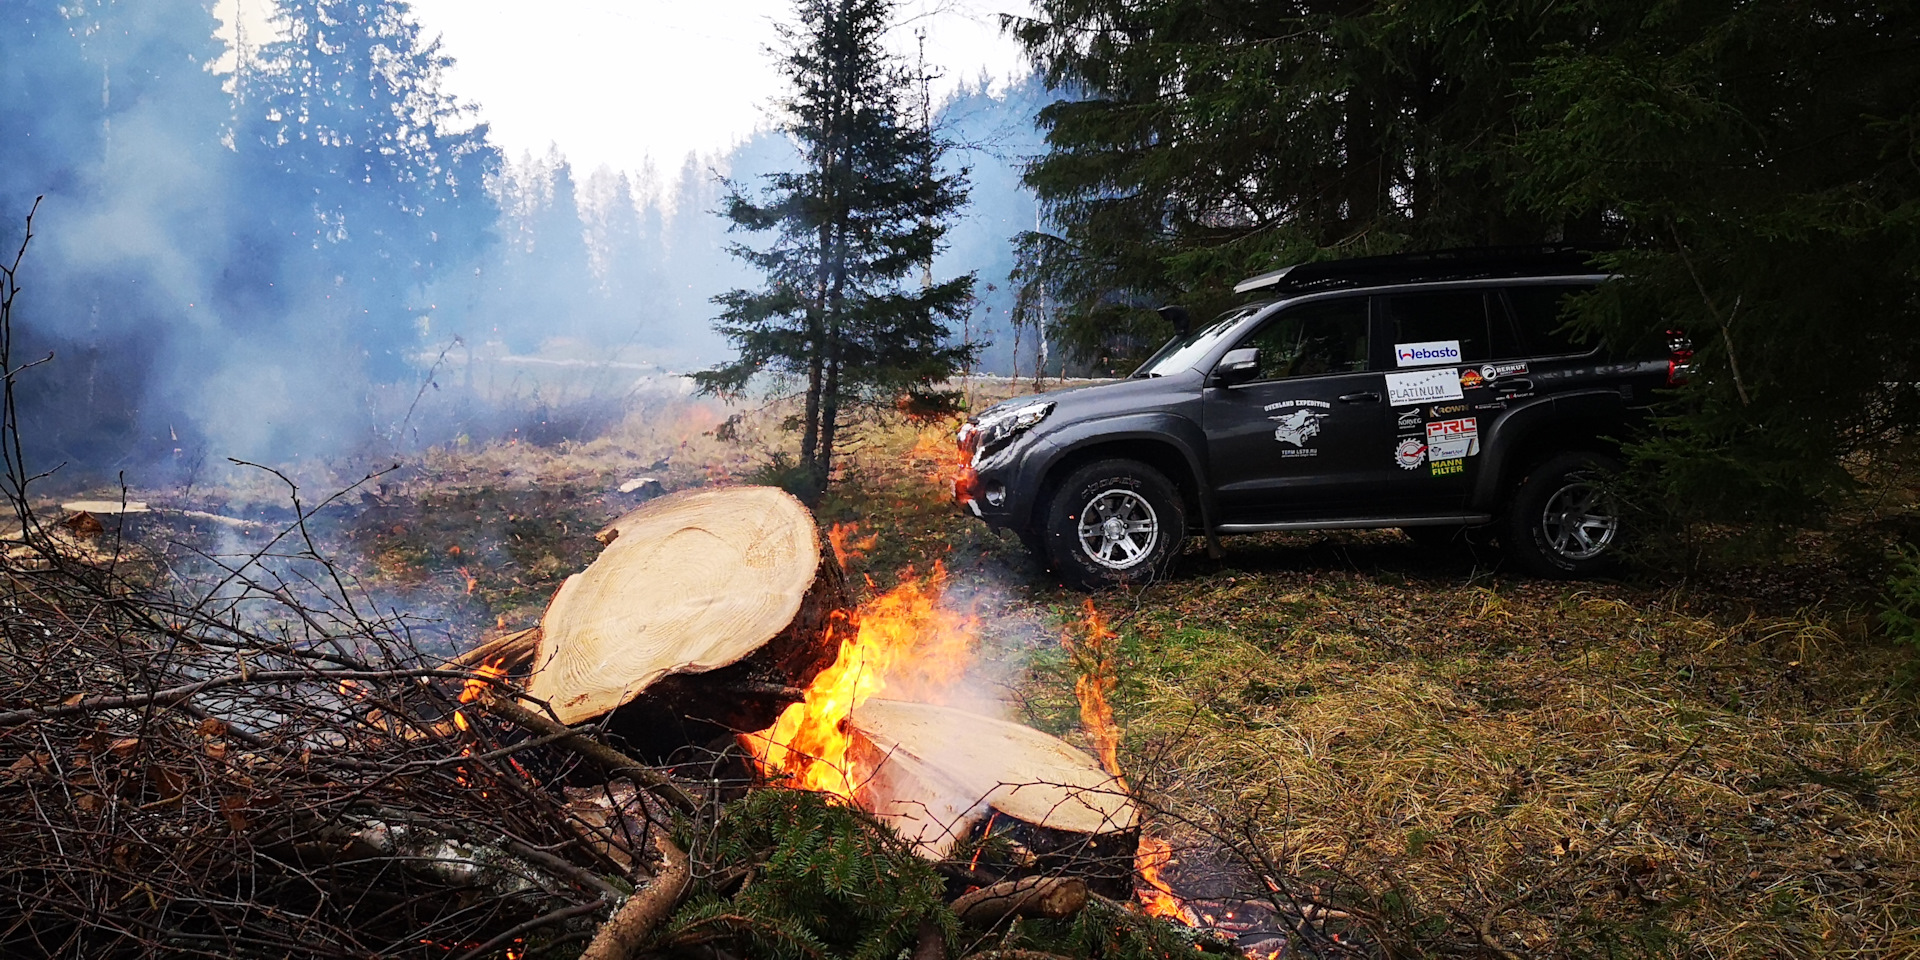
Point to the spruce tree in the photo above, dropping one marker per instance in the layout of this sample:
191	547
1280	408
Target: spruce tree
843	310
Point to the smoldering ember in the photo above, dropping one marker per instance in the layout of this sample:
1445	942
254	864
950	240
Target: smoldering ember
962	480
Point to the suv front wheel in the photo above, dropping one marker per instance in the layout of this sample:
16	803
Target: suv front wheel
1563	521
1113	522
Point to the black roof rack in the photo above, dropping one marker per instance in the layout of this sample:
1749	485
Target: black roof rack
1469	263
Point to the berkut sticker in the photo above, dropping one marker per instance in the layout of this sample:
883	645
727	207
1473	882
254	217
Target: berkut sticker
1298	420
1494	371
1453	439
1409	453
1423	386
1409	419
1427	354
1471	378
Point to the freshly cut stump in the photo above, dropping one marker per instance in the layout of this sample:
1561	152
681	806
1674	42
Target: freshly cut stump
938	772
711	587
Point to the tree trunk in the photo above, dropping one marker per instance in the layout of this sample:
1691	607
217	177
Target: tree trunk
707	609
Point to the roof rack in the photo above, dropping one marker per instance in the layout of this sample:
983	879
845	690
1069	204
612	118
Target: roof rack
1468	263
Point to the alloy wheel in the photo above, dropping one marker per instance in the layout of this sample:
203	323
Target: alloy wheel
1118	529
1580	521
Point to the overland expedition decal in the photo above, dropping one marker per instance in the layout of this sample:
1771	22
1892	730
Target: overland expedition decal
1423	386
1298	422
1427	354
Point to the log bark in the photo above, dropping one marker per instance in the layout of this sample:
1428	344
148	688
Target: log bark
1050	898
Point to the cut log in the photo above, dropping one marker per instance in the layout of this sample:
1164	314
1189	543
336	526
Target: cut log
937	774
707	587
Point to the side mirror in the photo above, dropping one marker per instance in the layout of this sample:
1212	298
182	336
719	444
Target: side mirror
1178	316
1238	366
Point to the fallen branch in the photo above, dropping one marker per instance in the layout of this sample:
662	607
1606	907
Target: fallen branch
646	909
173	695
1050	898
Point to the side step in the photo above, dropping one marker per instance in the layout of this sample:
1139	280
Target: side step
1360	523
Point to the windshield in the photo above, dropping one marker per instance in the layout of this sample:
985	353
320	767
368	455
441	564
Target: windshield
1183	351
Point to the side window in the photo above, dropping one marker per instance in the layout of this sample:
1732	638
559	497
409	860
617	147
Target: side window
1325	336
1537	310
1442	317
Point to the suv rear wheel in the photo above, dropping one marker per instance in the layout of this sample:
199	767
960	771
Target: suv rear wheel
1563	522
1113	522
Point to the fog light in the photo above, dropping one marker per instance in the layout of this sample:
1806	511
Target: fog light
996	494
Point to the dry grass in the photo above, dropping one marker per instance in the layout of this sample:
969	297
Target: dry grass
1603	769
1613	769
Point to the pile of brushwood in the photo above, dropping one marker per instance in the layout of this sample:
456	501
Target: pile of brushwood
266	768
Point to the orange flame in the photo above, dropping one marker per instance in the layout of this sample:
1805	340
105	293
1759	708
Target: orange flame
902	642
475	687
937	454
1094	658
1156	898
848	545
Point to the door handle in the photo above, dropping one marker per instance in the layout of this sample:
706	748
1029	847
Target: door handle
1360	398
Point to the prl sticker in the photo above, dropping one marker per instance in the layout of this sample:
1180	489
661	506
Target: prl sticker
1453	439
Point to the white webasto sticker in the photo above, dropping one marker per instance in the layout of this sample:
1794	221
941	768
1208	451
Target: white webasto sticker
1428	353
1423	386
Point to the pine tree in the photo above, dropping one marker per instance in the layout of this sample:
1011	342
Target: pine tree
852	229
381	171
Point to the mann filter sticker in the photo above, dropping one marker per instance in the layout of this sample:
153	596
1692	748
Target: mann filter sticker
1409	453
1298	421
1423	386
1444	468
1427	354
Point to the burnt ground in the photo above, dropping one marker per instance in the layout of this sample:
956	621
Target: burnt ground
1451	758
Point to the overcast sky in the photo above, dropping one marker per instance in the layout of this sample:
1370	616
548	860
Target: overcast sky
617	81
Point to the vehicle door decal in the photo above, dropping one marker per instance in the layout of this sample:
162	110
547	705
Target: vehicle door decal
1426	353
1423	386
1298	421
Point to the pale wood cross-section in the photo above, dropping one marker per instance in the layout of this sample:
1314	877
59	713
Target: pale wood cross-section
688	583
935	769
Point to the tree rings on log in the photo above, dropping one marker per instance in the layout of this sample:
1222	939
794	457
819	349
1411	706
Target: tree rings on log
937	772
728	577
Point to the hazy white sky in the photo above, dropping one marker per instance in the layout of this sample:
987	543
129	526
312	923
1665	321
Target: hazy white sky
617	81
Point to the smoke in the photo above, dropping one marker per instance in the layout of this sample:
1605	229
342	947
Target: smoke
308	250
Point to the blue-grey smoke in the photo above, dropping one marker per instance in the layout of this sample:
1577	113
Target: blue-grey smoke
309	256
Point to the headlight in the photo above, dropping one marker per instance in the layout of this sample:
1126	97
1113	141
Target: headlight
998	426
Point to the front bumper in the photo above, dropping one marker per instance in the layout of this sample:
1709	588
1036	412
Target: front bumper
993	488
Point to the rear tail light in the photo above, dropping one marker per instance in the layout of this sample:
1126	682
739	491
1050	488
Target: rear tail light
1679	357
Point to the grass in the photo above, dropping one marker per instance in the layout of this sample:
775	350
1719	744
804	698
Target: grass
1467	761
1596	769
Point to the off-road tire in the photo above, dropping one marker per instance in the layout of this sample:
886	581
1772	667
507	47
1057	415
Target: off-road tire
1559	513
1152	525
